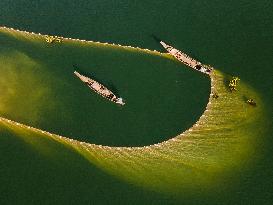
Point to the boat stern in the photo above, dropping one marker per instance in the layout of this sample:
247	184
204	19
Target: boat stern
120	101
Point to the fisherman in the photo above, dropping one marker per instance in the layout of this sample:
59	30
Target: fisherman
251	102
215	95
198	67
233	83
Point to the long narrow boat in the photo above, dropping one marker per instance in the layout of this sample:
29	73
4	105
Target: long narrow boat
184	58
100	89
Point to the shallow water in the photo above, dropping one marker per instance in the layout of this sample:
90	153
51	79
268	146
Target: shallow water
235	37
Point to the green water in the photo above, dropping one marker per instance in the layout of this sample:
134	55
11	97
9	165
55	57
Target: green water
146	82
235	37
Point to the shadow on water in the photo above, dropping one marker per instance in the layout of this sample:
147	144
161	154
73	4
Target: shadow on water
226	81
155	38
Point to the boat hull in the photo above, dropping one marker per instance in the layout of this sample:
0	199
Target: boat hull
187	60
99	89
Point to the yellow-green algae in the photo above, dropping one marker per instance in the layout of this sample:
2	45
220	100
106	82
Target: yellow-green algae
221	141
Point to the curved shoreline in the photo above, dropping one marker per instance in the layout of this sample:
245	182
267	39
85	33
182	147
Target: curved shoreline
120	46
218	142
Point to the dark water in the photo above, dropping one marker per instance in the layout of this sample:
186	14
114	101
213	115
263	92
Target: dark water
235	37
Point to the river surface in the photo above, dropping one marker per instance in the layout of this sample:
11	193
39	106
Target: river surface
163	98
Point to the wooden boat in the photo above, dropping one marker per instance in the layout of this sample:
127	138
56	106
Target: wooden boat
100	89
184	58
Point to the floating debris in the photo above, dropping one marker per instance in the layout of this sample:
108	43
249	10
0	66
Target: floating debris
233	83
52	39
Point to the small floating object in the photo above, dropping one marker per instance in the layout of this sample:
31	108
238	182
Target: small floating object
251	102
184	58
52	39
233	83
100	89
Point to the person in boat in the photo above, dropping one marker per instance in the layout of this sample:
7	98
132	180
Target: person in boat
110	96
233	83
198	67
